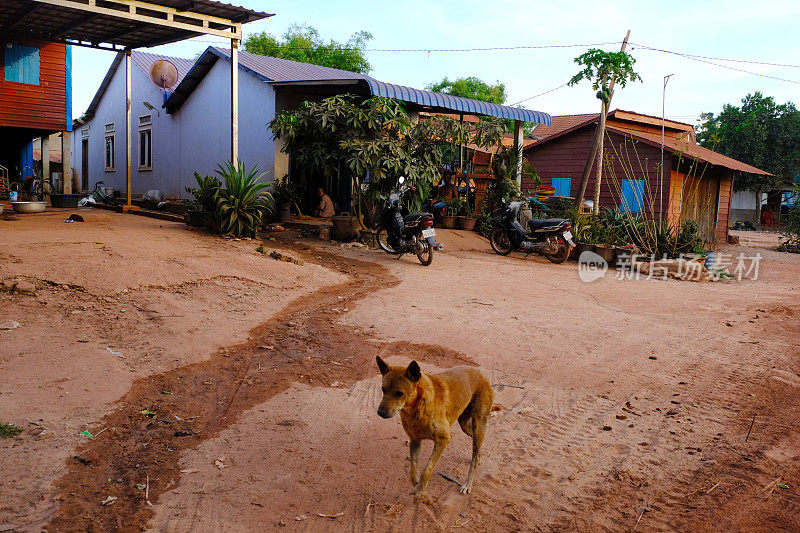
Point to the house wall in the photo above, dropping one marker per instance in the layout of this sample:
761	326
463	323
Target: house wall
196	138
566	156
744	207
42	106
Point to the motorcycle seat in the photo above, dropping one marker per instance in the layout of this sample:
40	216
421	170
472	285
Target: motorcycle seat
539	223
416	216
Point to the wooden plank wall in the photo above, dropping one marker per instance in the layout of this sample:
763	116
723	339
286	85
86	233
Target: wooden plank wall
566	156
42	106
723	214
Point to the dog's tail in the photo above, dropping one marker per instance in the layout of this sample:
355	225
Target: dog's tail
497	407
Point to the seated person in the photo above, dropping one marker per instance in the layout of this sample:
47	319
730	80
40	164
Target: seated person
446	192
325	208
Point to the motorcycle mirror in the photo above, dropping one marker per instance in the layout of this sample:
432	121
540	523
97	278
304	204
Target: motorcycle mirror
401	180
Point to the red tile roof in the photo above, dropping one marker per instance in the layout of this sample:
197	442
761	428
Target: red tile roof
689	149
682	146
563	123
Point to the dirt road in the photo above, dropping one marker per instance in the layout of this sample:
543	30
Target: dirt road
628	403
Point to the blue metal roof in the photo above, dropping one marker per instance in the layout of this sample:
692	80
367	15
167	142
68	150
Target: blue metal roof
282	71
455	103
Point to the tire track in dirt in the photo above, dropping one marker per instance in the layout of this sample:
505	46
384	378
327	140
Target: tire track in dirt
162	415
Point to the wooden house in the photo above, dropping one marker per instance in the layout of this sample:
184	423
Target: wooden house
696	183
35	99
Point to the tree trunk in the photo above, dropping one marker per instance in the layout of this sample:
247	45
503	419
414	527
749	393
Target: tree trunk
599	133
601	126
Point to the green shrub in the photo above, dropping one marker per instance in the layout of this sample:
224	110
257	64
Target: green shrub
242	203
204	194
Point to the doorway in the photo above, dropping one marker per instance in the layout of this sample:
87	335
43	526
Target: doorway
85	165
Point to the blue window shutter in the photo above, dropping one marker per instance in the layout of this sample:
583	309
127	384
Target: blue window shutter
632	196
563	186
22	64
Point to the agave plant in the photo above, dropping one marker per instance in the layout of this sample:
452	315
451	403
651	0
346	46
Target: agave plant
242	203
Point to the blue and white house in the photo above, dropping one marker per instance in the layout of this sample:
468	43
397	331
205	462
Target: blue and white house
188	130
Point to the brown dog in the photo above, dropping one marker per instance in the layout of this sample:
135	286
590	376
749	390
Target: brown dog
429	404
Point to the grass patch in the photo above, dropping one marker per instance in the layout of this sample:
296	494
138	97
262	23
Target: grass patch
9	430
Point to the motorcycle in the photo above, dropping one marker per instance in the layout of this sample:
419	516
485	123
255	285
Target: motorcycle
401	233
515	229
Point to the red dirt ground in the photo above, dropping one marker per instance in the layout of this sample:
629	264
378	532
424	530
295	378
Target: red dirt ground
261	379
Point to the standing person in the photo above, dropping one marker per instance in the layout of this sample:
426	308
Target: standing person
325	208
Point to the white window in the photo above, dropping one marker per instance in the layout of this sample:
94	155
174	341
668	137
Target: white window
146	149
109	152
110	128
85	133
145	120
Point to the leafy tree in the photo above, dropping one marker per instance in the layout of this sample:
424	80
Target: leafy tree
603	69
471	87
374	137
303	43
760	133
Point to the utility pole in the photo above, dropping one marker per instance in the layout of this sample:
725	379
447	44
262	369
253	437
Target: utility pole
597	143
663	120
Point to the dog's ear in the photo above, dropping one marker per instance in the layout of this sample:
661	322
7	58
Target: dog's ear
413	373
382	366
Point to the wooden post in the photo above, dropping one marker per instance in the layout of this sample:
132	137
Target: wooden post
128	140
234	101
518	132
66	162
45	151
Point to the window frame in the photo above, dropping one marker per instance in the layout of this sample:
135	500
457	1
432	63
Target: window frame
561	181
111	168
26	76
149	131
635	185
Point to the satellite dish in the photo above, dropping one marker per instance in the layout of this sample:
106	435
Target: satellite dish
164	74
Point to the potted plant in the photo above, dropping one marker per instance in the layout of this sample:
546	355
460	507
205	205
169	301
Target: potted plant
450	216
466	216
285	194
603	236
199	212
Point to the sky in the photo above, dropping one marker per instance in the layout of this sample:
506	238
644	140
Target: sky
763	31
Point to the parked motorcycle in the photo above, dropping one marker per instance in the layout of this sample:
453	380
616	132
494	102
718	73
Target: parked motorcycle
401	233
515	229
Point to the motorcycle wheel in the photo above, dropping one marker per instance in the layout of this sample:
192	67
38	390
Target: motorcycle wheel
561	255
382	237
500	242
425	255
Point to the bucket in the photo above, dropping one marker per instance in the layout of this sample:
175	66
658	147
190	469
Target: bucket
345	227
284	212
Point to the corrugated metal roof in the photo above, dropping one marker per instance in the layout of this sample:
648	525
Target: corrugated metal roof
456	103
143	61
61	23
275	70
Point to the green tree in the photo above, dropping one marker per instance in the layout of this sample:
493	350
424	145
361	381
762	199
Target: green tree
303	43
603	69
341	135
760	133
471	87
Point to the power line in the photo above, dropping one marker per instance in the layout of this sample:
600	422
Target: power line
698	59
751	62
540	94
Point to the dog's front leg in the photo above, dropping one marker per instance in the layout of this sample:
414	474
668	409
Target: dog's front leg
413	450
440	443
